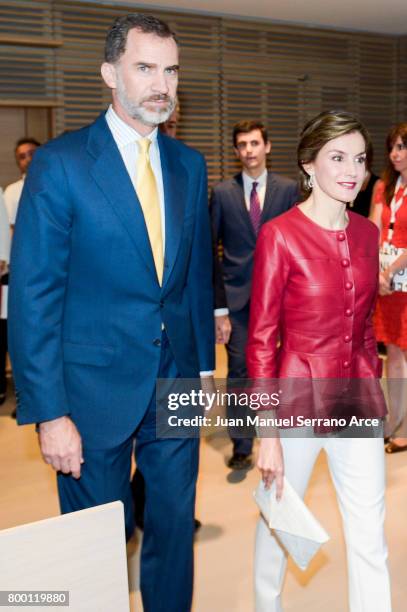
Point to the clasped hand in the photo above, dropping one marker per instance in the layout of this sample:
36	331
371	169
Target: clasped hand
270	462
61	445
385	283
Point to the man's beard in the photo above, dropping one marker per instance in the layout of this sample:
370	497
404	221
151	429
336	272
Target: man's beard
139	112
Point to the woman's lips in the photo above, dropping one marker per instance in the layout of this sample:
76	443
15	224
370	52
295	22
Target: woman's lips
348	185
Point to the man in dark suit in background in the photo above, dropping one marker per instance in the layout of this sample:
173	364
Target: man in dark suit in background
239	207
111	290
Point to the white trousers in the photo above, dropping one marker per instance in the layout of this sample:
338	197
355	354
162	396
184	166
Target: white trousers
357	469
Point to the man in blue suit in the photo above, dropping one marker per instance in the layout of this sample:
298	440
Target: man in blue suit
110	290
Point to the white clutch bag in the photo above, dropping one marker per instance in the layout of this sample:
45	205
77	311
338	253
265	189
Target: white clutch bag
294	525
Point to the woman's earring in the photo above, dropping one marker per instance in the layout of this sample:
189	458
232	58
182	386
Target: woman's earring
310	181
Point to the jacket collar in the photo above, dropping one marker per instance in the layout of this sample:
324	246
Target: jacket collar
111	175
268	200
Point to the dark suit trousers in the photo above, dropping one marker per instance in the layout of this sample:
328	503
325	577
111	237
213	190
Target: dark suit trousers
170	469
236	350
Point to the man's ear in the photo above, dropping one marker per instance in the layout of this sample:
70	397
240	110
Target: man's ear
268	147
108	72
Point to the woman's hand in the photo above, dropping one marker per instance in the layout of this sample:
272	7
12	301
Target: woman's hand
384	283
271	464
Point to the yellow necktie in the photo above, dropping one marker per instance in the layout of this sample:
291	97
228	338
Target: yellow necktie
147	193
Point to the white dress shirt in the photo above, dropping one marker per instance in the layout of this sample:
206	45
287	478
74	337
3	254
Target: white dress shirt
261	187
126	139
4	231
12	195
4	252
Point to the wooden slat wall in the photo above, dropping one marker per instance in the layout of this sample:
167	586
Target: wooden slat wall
256	87
286	74
402	79
27	71
377	87
231	69
82	30
199	89
27	18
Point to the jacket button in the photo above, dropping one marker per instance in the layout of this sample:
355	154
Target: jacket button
348	312
345	263
341	237
347	338
161	304
346	364
348	285
157	342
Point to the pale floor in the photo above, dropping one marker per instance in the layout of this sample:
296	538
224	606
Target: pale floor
224	546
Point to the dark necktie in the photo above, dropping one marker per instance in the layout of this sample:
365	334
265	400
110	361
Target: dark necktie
255	210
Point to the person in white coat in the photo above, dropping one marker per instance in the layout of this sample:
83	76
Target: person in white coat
4	259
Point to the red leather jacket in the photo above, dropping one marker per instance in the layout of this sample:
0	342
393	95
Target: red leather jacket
314	290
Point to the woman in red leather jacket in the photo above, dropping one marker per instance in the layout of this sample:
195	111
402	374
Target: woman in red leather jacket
314	289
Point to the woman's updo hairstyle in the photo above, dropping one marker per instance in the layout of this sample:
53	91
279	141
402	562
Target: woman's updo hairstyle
321	129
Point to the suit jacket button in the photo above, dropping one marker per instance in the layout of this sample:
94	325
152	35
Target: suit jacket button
348	312
345	262
346	364
341	237
348	285
161	304
347	338
157	342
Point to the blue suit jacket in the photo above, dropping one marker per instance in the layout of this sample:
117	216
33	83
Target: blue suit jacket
86	309
232	226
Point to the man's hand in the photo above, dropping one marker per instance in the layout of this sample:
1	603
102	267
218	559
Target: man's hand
223	329
2	266
271	464
61	445
208	387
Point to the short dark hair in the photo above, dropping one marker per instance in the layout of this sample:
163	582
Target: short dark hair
244	127
116	38
26	140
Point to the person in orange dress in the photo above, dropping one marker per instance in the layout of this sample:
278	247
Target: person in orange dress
389	212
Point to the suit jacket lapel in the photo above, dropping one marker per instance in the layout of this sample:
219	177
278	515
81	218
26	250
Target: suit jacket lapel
175	181
242	203
268	200
112	177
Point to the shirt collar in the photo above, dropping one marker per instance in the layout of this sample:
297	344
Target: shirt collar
260	180
122	132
